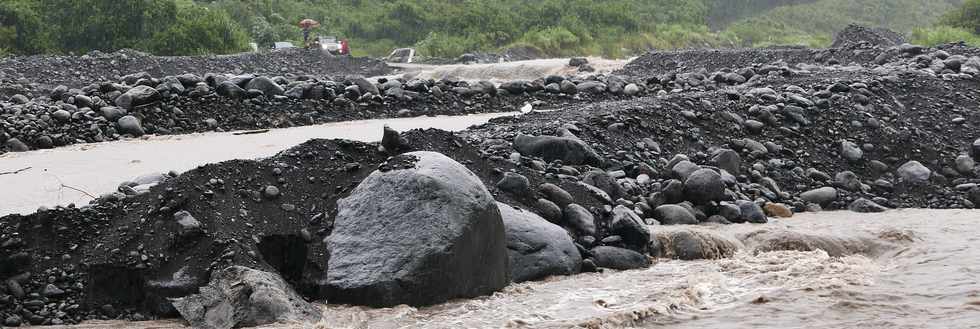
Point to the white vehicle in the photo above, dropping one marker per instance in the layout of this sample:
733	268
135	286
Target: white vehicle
282	45
334	46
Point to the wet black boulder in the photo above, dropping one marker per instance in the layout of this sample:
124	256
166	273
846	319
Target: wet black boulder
619	258
419	235
230	90
629	226
266	86
704	186
138	96
570	150
537	248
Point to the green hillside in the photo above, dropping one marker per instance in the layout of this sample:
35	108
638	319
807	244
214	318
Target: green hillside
814	24
449	28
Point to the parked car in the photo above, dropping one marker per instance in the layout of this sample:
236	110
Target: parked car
334	46
282	45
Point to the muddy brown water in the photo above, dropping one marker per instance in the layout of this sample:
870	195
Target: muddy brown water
99	168
900	269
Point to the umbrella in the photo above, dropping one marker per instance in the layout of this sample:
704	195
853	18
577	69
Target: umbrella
308	23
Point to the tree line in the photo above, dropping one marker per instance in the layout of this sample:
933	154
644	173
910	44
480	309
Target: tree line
449	28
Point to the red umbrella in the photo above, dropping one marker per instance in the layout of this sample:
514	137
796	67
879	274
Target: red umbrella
308	23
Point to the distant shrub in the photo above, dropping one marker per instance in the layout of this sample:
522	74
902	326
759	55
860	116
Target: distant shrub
938	35
198	31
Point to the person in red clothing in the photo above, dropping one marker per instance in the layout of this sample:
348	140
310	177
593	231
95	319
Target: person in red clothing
344	47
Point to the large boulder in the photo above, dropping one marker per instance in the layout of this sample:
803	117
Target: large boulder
751	212
112	113
683	169
851	151
549	210
516	185
130	125
704	186
579	219
230	90
570	150
866	206
727	159
266	86
964	164
605	182
822	196
419	235
848	180
556	194
671	214
393	142
578	61
628	225
366	86
138	96
619	258
537	248
239	296
15	145
914	172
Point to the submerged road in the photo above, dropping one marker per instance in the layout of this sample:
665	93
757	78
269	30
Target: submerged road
59	176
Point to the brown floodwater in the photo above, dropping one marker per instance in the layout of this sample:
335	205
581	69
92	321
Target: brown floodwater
900	269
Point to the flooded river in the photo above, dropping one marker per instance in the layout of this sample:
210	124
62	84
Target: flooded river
99	168
506	71
900	269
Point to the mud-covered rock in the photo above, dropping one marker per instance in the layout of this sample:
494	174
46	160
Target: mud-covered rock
239	296
866	206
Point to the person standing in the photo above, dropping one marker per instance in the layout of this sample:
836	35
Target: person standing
307	25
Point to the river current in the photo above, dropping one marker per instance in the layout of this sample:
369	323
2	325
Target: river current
900	269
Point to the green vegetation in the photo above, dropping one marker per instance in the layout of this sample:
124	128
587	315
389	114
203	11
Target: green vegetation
449	28
938	35
961	24
165	27
814	24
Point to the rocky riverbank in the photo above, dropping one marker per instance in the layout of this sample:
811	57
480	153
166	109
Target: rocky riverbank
587	188
141	103
38	74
